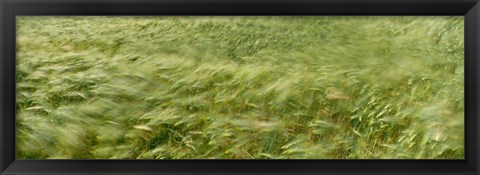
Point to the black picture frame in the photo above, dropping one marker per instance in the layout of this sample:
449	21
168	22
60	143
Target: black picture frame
9	9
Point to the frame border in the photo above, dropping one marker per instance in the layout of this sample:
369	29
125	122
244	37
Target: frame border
9	9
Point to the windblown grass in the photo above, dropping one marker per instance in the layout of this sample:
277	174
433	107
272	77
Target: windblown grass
240	88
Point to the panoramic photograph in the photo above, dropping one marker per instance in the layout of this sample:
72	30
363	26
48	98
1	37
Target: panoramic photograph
240	87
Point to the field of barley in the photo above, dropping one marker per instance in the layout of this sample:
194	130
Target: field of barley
245	87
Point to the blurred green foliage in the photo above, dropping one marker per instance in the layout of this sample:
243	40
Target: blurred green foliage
240	87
